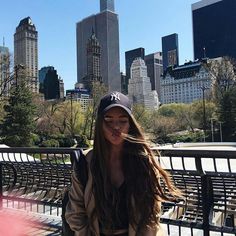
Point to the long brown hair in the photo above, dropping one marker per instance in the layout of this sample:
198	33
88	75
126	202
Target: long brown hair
142	177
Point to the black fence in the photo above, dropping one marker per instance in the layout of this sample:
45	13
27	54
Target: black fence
34	179
208	183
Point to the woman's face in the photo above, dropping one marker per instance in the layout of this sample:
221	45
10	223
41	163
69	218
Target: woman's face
115	123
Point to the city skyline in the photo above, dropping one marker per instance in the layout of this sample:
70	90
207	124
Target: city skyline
105	26
56	24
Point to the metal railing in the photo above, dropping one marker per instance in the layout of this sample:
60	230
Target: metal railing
34	179
207	179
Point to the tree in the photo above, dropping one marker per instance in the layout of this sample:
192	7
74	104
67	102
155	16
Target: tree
18	124
227	114
143	116
98	90
5	76
182	113
162	127
46	120
59	117
223	73
197	110
224	88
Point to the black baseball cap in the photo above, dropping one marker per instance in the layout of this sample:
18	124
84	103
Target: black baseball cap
114	99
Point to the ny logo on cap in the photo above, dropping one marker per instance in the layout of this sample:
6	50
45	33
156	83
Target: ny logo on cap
115	96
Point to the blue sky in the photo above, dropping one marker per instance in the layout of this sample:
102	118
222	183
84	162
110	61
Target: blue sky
141	24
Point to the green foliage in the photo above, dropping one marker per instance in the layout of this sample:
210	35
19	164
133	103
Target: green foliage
143	116
227	114
98	90
224	95
82	141
35	139
2	111
18	124
66	141
168	110
162	127
223	72
50	143
182	113
210	112
186	137
57	117
55	140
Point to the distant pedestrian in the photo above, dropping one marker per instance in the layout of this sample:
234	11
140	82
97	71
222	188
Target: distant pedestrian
123	191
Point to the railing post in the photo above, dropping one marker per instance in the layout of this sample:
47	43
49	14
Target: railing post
207	197
207	202
0	186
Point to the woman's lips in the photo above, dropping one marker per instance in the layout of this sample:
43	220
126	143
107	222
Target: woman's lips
116	133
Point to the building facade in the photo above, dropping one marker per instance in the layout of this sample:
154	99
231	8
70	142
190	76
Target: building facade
214	31
185	83
51	85
106	28
26	51
170	50
154	65
124	84
80	95
130	56
107	5
139	88
93	62
61	88
4	71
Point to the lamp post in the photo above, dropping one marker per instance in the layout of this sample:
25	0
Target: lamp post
221	136
212	129
71	114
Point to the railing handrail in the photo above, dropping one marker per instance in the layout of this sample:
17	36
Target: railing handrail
197	153
28	150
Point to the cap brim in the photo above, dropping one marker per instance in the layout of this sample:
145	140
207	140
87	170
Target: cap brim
117	105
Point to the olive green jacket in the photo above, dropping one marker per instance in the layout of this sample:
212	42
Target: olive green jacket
82	204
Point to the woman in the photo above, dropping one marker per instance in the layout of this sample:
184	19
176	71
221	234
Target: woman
123	192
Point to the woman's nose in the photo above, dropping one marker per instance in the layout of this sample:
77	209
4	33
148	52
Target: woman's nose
116	125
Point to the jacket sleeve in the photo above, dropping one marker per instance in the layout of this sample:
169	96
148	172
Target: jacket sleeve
75	210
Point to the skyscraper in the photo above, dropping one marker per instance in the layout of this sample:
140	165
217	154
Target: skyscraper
154	69
139	88
214	32
26	51
4	71
93	62
130	56
106	28
50	83
170	50
107	5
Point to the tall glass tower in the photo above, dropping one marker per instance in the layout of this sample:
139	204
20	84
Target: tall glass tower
214	31
107	5
105	26
170	50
